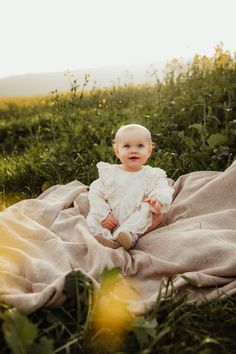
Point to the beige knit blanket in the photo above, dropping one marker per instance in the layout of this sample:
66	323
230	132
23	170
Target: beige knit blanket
43	239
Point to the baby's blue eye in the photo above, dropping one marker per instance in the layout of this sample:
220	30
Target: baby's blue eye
126	146
140	146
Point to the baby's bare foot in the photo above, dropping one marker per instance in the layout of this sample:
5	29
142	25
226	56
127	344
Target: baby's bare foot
126	239
106	242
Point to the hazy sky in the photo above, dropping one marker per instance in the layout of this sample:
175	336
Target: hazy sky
56	35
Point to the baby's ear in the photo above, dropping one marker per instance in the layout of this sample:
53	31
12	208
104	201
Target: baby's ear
115	148
152	145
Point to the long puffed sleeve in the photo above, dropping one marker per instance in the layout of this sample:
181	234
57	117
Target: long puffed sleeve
160	189
97	200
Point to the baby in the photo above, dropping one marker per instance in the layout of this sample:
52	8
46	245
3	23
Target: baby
128	199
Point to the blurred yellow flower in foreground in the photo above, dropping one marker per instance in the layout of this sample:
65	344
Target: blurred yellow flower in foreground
111	303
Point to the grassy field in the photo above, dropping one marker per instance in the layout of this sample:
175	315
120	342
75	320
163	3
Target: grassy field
191	114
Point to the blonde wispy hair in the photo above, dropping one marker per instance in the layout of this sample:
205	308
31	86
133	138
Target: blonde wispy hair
130	127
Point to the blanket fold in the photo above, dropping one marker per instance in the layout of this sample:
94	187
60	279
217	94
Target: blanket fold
43	239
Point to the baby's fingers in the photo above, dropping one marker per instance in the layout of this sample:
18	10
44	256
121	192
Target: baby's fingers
147	200
152	200
113	225
108	226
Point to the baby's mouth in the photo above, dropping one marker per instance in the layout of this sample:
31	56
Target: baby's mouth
133	158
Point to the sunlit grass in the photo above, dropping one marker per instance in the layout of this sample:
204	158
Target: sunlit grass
22	101
9	199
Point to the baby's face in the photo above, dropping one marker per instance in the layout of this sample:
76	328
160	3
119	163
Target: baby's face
133	149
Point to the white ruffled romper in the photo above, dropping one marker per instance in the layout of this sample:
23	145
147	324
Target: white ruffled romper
122	193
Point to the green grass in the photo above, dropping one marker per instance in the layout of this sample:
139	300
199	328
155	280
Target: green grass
56	139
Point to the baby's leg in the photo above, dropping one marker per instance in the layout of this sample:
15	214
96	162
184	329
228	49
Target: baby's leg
128	240
136	226
102	235
156	221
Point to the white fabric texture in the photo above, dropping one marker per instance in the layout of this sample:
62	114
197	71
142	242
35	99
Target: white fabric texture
122	193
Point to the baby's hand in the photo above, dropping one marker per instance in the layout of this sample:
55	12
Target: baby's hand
109	222
154	203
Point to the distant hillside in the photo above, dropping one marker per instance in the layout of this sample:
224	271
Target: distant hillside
42	84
